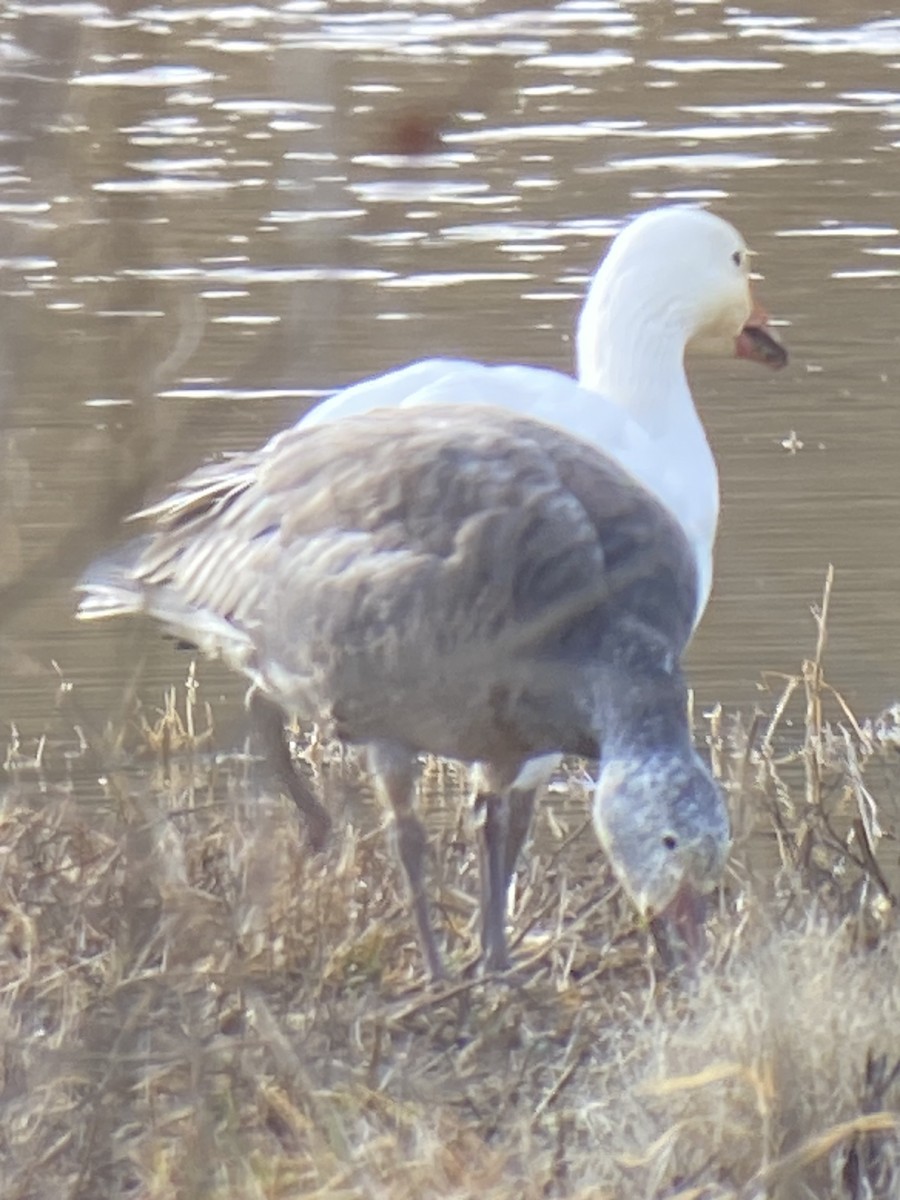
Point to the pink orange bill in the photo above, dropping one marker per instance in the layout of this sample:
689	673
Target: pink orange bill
756	343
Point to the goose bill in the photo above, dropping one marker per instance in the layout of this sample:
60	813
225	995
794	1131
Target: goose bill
679	931
756	343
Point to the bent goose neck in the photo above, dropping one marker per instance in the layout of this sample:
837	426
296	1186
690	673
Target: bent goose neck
642	704
631	351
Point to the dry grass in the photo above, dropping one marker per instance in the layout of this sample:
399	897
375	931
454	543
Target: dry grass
192	1006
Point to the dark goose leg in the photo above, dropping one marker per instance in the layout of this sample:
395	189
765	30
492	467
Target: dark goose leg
395	770
506	815
268	722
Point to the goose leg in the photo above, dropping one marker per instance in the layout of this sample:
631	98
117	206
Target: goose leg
506	814
395	771
493	812
268	723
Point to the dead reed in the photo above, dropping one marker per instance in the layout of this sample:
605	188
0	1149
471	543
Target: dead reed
192	1006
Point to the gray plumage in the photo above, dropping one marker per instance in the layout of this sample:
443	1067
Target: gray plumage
457	580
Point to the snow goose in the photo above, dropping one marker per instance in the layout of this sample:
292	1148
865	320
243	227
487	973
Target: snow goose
464	581
673	278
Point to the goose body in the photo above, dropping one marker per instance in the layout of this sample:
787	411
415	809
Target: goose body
674	277
463	581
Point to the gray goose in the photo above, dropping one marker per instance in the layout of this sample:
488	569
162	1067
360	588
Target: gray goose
463	581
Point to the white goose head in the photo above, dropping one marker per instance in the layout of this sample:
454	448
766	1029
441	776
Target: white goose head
673	276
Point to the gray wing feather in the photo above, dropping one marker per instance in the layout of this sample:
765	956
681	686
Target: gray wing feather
343	563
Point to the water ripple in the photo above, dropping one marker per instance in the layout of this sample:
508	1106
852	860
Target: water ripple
145	77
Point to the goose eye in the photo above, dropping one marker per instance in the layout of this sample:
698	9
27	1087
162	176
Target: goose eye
736	258
670	841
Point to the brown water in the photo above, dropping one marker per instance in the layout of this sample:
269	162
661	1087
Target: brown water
210	216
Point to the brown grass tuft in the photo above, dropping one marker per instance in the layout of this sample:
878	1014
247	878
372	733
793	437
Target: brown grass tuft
192	1006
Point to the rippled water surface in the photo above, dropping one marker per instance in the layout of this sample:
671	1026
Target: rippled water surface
211	215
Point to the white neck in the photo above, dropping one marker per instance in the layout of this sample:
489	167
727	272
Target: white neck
631	351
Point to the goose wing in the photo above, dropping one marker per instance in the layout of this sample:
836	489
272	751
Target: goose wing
366	565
